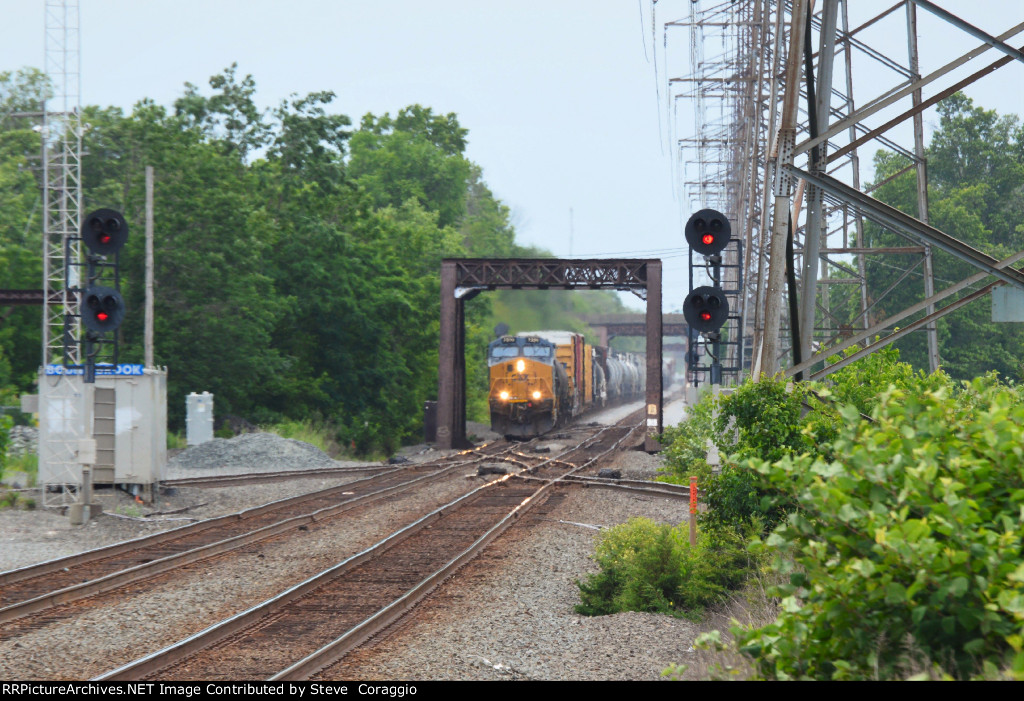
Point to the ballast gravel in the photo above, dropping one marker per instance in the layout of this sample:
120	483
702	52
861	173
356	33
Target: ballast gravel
507	615
510	614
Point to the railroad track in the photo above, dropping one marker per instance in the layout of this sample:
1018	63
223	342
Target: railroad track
260	477
665	489
309	626
37	589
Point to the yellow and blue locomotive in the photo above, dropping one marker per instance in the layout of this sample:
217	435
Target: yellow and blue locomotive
529	387
540	379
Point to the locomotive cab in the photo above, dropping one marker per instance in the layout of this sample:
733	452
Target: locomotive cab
527	386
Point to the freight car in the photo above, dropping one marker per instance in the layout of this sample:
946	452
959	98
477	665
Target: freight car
541	379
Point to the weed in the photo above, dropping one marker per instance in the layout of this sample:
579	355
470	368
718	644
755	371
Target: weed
317	435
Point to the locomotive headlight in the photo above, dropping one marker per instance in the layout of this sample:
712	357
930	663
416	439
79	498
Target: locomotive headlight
536	395
503	394
520	366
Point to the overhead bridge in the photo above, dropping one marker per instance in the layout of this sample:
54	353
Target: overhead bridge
608	326
464	278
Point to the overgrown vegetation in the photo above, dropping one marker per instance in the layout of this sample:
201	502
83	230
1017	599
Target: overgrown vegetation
297	255
317	435
891	502
10	499
648	566
906	546
27	463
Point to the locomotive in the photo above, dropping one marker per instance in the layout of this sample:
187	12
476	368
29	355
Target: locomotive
541	379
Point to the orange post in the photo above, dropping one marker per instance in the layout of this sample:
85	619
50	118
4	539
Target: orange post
693	511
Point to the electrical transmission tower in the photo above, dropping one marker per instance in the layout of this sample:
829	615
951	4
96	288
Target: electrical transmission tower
771	84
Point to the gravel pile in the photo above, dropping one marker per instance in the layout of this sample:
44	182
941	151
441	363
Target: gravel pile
249	452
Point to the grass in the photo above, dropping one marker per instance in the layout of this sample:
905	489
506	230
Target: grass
715	657
128	510
29	464
317	435
16	500
176	441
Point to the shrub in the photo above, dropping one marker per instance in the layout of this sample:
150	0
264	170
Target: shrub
862	383
685	450
27	463
739	497
5	436
176	441
909	540
764	418
648	566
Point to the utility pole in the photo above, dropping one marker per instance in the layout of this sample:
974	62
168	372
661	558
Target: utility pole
148	340
782	189
922	184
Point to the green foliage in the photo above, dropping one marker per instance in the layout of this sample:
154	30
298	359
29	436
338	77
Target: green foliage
739	497
15	500
908	540
317	435
756	419
297	259
862	383
976	193
764	417
6	422
648	566
27	463
685	449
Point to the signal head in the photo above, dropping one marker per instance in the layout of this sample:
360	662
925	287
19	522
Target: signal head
706	309
102	308
104	231
708	232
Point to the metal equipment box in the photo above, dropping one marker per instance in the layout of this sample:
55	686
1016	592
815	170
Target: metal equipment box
198	418
126	416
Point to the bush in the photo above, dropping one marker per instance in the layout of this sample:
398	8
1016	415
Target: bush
27	463
907	546
862	383
685	450
739	497
648	566
5	436
763	418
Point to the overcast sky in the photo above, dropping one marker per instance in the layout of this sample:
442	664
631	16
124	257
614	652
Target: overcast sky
561	97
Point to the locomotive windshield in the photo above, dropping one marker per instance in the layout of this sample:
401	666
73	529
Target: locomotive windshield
505	352
509	347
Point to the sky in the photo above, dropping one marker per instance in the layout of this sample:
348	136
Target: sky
566	101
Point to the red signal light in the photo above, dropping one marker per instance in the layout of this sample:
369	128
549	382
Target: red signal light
705	316
102	316
708	239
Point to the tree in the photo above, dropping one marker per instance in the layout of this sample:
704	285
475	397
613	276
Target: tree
976	192
416	155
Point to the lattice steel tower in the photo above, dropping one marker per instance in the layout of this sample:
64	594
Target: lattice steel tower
65	416
62	184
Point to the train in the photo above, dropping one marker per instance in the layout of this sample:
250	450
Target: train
541	379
